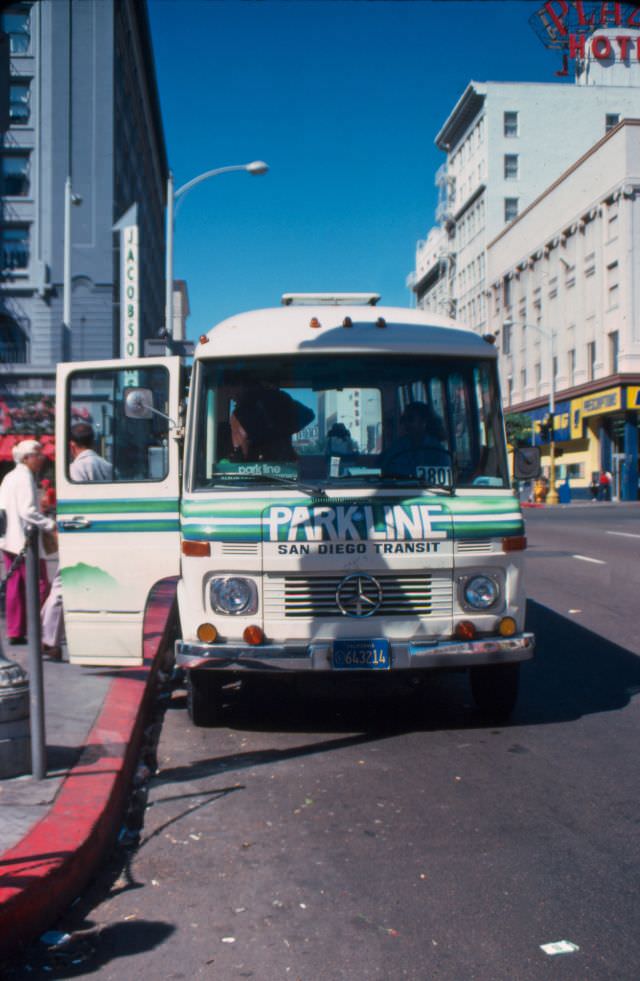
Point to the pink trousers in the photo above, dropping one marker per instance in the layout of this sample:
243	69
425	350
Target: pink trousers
16	595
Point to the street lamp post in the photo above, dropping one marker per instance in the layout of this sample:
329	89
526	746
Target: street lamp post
255	167
552	495
69	199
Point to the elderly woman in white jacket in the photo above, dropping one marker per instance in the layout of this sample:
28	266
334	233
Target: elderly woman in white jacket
19	500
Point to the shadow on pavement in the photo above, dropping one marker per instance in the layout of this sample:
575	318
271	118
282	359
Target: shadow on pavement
575	672
90	949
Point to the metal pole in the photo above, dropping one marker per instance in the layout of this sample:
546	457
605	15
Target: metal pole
66	275
552	496
36	686
168	307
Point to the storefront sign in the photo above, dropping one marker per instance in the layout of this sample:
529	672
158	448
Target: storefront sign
633	397
597	404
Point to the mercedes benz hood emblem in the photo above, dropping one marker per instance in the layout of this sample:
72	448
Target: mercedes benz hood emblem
359	596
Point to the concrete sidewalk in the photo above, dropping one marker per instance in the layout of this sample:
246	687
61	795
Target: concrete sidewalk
54	832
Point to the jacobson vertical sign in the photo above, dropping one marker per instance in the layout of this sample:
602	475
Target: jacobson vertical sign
130	293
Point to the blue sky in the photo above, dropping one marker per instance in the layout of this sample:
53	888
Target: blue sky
343	100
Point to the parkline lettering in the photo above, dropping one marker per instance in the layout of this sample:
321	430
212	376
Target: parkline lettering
354	523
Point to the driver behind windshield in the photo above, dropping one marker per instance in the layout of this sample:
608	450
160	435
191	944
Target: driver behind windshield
263	422
422	443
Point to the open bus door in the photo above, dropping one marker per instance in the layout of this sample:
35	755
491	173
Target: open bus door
118	521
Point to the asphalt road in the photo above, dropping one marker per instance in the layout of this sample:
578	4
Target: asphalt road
324	839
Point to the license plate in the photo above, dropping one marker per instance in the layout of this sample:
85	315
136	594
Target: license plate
361	655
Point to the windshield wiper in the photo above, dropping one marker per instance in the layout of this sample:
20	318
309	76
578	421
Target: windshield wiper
269	478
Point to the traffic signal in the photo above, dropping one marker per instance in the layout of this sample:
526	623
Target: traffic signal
546	427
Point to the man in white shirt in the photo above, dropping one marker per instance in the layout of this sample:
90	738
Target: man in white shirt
86	465
19	500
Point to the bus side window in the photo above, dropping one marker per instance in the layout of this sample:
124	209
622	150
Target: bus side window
103	444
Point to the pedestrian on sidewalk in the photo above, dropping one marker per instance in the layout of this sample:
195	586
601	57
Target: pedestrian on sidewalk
51	613
594	486
605	485
19	500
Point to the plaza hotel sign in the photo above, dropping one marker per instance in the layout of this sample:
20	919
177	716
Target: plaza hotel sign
569	26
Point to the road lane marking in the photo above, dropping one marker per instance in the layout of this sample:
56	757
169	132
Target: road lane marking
585	558
623	534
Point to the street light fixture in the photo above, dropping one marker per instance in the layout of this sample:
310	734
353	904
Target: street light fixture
549	335
70	198
256	167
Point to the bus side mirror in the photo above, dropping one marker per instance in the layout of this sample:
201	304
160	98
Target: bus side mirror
526	463
138	404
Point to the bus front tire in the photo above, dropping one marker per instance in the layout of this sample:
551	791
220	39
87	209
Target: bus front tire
495	689
203	698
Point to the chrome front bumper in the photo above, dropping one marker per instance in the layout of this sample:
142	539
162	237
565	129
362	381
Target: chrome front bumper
317	655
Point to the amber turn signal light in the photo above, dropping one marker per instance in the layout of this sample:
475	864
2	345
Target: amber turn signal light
196	548
253	635
207	633
507	627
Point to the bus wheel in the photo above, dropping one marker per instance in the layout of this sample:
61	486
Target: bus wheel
203	698
495	689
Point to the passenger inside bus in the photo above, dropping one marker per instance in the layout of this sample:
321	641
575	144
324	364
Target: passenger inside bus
422	443
263	422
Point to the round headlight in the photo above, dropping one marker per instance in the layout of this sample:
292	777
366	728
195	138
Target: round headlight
481	592
232	595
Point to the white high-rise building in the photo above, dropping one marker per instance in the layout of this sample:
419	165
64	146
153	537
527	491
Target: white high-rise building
505	142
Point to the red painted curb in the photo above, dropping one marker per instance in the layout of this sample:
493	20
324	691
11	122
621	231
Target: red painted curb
41	875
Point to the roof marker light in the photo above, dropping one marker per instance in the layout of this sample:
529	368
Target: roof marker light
314	322
381	322
347	322
204	339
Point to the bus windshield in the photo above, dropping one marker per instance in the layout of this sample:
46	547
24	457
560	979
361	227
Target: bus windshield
348	420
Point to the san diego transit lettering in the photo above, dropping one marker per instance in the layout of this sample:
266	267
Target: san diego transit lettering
354	523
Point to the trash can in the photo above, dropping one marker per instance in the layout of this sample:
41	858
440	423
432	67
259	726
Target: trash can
564	493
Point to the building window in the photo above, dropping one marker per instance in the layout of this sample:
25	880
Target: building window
14	175
613	352
13	343
610	120
506	337
537	368
509	390
511	124
613	285
20	101
14	246
510	209
571	366
523	381
511	166
506	288
591	360
612	219
15	23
